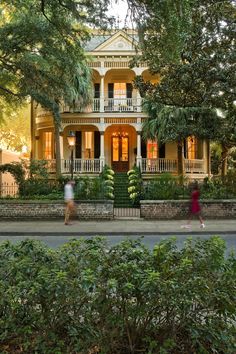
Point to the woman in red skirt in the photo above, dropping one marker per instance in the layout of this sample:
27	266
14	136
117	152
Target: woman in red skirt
195	208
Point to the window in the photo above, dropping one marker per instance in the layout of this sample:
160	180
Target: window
119	90
88	143
191	148
152	149
47	145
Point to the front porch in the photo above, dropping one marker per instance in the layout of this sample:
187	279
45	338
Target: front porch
148	166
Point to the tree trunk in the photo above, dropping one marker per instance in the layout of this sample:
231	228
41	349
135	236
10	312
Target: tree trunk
209	158
58	151
180	157
224	155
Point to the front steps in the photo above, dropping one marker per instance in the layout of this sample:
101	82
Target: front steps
121	183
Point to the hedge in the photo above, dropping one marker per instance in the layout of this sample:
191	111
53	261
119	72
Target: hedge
86	297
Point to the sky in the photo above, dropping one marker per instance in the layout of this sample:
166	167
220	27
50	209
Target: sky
119	10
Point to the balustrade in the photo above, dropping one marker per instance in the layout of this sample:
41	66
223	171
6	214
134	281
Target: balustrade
147	165
159	165
81	166
110	105
194	166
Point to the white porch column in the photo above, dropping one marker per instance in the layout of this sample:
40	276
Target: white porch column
102	94
139	157
102	151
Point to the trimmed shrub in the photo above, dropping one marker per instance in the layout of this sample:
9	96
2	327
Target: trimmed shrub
87	298
135	184
107	177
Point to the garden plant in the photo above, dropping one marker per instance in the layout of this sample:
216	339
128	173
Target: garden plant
87	297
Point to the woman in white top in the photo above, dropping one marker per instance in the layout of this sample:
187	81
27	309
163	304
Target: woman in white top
69	200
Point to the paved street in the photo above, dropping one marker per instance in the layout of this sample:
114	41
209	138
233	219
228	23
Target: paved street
55	233
114	227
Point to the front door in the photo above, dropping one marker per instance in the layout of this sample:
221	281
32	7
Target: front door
120	153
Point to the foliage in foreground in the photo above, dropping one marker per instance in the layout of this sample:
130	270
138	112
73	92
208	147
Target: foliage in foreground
86	297
135	185
167	187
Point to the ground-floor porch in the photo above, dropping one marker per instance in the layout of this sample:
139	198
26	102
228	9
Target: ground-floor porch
121	147
147	166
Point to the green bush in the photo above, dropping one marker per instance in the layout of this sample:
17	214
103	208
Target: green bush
125	299
219	187
107	177
87	188
166	187
135	185
37	187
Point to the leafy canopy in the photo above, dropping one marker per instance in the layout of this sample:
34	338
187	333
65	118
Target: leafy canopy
41	49
191	44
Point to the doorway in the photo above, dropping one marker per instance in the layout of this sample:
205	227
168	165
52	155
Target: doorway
120	152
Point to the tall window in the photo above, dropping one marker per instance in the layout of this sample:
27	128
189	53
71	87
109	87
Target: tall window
47	145
152	149
119	90
191	148
88	144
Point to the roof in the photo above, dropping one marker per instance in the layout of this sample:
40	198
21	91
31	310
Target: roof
97	39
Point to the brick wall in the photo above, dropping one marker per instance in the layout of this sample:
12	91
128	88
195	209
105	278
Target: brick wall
178	209
13	209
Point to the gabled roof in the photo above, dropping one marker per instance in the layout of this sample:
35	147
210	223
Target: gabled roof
119	41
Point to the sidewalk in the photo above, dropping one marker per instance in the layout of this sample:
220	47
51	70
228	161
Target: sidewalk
115	227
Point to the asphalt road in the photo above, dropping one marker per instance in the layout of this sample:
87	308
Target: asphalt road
149	240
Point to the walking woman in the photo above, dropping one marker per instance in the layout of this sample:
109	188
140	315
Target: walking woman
69	200
195	208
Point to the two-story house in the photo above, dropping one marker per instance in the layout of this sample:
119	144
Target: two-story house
110	130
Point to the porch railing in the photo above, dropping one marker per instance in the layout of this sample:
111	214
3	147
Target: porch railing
194	166
159	165
147	165
109	104
121	105
81	166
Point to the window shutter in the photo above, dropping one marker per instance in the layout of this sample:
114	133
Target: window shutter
111	90
143	148
162	151
96	145
129	89
78	144
96	90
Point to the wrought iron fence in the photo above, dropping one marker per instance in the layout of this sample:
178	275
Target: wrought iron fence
8	190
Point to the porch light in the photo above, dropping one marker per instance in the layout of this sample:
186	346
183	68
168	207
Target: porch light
71	139
71	142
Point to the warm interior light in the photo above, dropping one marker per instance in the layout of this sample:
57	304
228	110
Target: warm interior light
88	140
71	139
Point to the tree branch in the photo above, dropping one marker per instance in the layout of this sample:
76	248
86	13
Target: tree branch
9	92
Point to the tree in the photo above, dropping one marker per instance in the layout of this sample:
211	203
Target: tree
42	55
191	44
15	129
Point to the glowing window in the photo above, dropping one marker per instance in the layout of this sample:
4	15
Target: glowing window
115	149
88	140
47	145
152	149
119	90
191	147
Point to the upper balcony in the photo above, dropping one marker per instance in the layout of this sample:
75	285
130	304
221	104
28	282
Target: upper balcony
107	105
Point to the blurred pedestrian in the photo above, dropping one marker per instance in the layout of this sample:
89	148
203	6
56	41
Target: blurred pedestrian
195	209
69	200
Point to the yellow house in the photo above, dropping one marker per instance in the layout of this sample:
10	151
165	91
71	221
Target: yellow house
110	130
